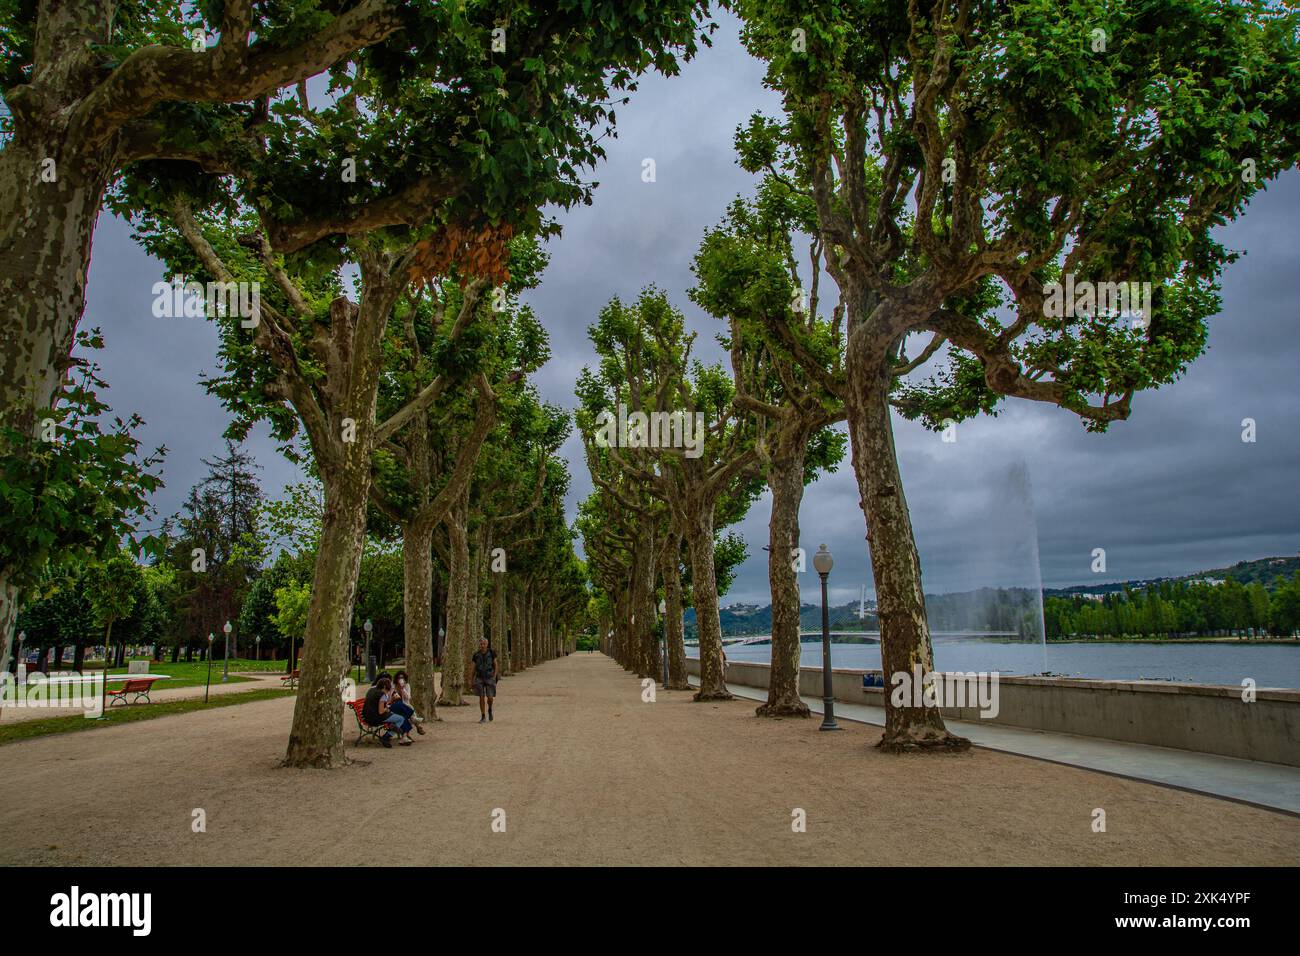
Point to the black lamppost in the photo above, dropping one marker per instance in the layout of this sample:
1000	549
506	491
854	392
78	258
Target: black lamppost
823	562
663	614
22	657
370	661
257	642
225	673
208	686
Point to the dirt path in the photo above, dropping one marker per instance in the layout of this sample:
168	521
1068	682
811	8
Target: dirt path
588	774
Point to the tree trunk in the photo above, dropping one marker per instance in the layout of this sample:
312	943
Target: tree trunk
499	639
417	603
705	583
652	654
785	477
643	647
673	629
896	567
315	739
453	657
45	243
8	617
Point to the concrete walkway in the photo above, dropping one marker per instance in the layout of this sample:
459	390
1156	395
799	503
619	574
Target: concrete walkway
1270	785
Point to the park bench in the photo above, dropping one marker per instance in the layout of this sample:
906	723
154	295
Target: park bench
140	688
290	680
366	730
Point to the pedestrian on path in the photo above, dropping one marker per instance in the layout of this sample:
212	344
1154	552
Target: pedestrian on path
485	679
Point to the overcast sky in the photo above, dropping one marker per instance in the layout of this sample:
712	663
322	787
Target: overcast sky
1171	491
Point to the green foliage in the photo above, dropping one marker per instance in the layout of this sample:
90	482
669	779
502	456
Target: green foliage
292	602
977	159
73	498
1177	608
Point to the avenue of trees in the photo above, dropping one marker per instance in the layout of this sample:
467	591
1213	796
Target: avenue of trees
956	165
442	133
944	168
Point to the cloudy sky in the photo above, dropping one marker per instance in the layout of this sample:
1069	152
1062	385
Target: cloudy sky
1173	490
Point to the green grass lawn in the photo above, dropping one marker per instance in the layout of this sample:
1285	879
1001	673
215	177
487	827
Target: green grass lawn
195	673
26	729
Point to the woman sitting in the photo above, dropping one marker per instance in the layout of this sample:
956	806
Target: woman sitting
401	702
377	711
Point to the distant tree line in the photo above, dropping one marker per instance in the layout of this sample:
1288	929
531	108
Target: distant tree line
1179	609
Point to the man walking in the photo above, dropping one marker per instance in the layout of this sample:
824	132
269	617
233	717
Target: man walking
485	679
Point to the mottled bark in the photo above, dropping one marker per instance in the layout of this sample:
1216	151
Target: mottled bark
315	739
500	641
8	616
645	646
785	478
705	585
453	657
896	567
417	611
670	569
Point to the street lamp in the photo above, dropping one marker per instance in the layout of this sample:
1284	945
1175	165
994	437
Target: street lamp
823	562
22	658
370	661
663	613
207	687
257	642
225	674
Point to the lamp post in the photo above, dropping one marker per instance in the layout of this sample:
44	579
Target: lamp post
823	562
208	686
663	614
257	642
21	659
225	673
370	661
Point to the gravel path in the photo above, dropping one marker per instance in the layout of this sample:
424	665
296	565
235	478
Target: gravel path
586	773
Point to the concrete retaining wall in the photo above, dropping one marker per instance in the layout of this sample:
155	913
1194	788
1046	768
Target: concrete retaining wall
1197	717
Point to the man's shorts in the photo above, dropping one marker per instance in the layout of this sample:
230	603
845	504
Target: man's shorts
485	687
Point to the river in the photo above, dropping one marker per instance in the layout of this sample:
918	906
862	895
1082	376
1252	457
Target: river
1269	665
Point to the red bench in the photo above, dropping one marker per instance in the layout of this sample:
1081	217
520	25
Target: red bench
140	688
290	680
366	730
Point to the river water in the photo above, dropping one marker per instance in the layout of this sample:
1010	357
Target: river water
1269	665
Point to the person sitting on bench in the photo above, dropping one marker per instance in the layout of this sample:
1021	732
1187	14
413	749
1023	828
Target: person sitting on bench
401	700
376	712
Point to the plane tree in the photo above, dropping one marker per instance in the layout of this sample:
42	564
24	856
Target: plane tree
427	461
954	150
787	363
502	139
646	367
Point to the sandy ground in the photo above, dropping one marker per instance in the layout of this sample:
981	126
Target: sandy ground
257	680
586	773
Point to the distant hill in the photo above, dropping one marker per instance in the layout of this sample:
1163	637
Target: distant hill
1266	571
991	609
